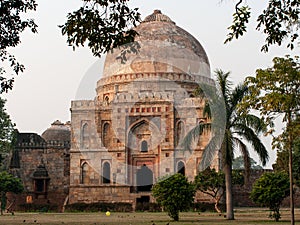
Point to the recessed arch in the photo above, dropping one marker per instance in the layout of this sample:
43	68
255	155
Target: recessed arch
143	129
181	167
106	173
85	136
106	134
84	179
180	132
106	100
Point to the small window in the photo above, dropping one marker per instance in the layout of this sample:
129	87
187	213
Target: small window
106	100
106	173
39	185
181	168
167	154
85	136
179	132
106	135
84	173
144	146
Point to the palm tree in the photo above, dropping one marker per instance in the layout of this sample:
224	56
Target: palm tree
237	127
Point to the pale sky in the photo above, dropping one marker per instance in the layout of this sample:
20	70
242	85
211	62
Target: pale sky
53	75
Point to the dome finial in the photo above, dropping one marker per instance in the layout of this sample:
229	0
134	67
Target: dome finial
157	16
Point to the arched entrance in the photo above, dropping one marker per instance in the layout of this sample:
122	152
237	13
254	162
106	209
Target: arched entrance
142	153
144	179
181	168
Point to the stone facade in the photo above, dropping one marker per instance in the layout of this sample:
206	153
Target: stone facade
121	142
130	135
43	166
126	138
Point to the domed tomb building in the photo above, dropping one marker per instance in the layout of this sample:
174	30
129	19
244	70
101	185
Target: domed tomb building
43	165
130	135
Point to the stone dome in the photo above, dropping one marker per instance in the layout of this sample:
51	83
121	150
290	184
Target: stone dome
57	132
164	47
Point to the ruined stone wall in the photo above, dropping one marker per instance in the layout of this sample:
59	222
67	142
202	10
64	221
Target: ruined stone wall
241	193
100	193
54	156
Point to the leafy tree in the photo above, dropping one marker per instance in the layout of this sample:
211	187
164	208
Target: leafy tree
238	125
282	161
275	92
174	194
212	183
106	24
269	190
279	21
12	25
7	136
238	164
8	183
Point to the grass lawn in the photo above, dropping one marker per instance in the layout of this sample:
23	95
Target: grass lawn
242	216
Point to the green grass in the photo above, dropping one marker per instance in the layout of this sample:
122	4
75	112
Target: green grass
249	216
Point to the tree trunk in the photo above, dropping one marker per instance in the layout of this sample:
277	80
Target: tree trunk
218	198
228	183
291	140
1	202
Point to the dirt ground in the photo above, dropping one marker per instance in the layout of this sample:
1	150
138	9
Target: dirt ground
242	216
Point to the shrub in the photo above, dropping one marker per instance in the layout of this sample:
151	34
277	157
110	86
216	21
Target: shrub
174	194
269	190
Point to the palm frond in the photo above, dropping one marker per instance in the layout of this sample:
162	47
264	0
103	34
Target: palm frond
246	157
210	151
237	94
251	137
193	134
256	123
223	83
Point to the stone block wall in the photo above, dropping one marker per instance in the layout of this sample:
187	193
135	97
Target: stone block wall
241	193
54	158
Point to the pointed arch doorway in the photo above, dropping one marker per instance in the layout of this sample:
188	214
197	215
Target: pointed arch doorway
144	179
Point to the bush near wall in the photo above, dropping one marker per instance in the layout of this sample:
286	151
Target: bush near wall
99	207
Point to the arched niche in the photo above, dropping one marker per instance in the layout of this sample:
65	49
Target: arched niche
106	173
181	168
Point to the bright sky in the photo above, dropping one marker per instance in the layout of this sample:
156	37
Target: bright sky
54	71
